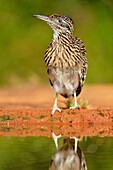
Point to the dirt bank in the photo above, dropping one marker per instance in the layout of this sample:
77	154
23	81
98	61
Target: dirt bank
25	111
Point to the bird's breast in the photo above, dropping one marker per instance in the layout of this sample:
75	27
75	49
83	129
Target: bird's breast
64	81
60	54
66	64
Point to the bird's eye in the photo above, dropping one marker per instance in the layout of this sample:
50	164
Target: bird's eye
59	20
67	26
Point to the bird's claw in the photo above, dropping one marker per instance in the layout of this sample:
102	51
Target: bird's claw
54	108
75	138
75	107
55	136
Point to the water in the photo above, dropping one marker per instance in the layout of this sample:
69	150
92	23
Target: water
35	153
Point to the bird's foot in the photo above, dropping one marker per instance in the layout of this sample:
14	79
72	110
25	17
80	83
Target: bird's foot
75	107
54	108
75	138
55	138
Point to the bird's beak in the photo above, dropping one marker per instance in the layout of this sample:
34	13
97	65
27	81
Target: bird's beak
42	17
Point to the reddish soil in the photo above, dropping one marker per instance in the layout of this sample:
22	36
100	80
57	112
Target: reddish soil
25	111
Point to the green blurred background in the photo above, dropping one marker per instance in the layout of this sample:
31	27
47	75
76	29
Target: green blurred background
24	39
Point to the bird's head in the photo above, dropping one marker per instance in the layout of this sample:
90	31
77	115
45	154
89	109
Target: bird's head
59	23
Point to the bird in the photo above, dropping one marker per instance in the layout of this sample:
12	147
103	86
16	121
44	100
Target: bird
69	156
65	59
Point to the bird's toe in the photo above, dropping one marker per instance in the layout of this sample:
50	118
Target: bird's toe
75	107
54	108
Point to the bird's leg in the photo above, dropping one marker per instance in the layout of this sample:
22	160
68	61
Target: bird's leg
76	141
55	107
75	102
55	138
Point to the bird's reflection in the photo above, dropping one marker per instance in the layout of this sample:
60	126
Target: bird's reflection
69	156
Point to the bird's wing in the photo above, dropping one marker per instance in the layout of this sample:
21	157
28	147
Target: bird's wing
82	159
80	56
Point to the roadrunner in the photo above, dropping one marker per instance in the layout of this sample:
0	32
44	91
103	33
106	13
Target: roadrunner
69	156
65	59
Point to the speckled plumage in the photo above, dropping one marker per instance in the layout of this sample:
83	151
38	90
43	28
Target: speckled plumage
65	58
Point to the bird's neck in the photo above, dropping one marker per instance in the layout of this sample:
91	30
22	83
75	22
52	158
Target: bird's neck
57	36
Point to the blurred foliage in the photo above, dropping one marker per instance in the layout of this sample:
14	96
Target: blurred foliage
24	39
